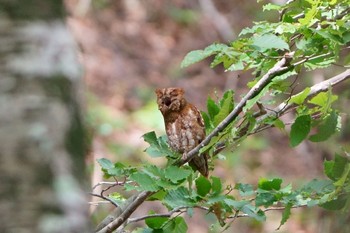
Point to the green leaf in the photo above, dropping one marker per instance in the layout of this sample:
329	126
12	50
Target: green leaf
216	185
155	222
339	166
254	212
285	215
117	198
158	196
336	204
213	108
105	163
320	62
250	103
198	55
237	205
300	129
203	186
178	198
269	41
271	6
176	224
272	184
226	105
310	14
319	186
300	97
324	100
328	169
145	182
265	199
110	169
327	129
245	189
158	146
175	174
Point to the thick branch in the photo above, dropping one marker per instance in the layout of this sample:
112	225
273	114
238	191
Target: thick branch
131	206
281	67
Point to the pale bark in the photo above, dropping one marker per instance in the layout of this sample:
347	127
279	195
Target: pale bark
42	141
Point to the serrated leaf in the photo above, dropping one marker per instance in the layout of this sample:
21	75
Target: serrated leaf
245	189
178	198
110	169
319	186
226	106
326	129
203	186
175	174
339	165
310	14
155	222
254	212
272	184
237	205
146	183
320	62
269	41
198	55
285	215
300	97
158	146
176	224
300	130
265	199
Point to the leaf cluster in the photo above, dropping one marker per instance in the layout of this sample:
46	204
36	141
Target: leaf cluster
315	32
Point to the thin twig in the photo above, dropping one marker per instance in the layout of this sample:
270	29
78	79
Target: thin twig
105	198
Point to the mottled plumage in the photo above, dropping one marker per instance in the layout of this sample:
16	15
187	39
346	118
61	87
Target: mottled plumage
184	125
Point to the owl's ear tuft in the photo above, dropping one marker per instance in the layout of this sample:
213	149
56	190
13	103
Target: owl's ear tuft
158	92
180	90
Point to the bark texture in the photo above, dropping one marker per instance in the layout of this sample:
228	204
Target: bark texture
42	141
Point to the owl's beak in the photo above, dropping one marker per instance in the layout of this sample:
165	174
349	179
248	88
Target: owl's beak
167	101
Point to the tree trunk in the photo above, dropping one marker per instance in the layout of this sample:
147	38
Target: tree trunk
42	141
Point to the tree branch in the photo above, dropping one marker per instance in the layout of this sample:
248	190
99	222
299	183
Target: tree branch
280	67
315	89
131	205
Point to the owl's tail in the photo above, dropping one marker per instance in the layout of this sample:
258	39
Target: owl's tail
200	163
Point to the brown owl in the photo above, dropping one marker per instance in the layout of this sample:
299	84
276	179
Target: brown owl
184	125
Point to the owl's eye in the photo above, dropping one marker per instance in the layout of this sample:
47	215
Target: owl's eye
167	101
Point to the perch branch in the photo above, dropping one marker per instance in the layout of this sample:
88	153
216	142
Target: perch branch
280	67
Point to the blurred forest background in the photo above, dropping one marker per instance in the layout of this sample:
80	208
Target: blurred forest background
131	47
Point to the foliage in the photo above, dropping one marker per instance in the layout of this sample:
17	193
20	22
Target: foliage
314	33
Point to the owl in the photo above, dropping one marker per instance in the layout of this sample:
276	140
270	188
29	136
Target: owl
184	125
